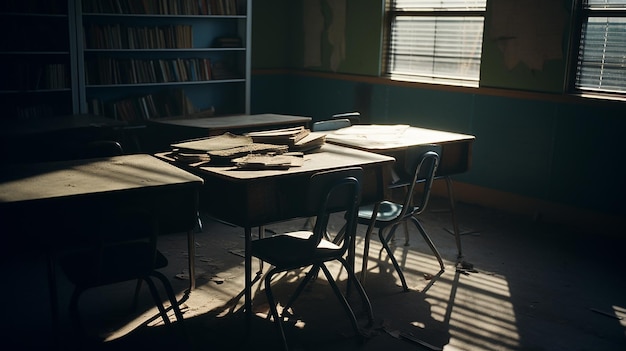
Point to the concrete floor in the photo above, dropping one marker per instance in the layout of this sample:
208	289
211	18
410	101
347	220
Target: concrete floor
535	286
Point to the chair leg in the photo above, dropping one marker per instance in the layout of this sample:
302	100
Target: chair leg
429	242
157	300
366	301
74	314
137	291
312	274
273	309
385	242
342	299
340	234
52	290
170	295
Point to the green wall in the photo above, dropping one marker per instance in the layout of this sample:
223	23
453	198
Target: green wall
546	146
278	35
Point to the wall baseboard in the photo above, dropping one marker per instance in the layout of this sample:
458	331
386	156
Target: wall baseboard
535	209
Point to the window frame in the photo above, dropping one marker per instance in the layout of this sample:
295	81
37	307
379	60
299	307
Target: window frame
579	23
391	14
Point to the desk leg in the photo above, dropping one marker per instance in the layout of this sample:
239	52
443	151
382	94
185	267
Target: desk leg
248	278
191	248
455	224
366	244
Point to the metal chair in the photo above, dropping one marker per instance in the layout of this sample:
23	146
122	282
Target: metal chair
354	117
329	192
331	124
421	166
124	248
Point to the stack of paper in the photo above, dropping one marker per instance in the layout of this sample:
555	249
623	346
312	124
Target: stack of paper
257	162
296	138
284	136
222	149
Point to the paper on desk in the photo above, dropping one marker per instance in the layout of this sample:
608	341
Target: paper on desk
220	142
370	135
259	162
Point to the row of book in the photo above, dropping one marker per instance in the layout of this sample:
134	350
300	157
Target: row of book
25	76
167	103
108	71
166	7
32	111
119	36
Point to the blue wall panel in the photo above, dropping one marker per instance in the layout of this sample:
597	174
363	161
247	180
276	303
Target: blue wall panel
567	153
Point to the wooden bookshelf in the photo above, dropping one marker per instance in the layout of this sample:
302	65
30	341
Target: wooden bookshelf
38	56
64	57
135	50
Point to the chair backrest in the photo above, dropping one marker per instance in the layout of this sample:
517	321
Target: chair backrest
354	117
331	124
332	192
422	165
132	231
102	148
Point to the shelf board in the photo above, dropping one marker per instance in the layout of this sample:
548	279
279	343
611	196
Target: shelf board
164	50
161	16
35	91
213	81
39	15
35	52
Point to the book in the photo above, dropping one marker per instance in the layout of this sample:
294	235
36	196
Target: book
284	136
313	141
259	162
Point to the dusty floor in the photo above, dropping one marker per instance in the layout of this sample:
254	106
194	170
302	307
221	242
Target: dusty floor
535	286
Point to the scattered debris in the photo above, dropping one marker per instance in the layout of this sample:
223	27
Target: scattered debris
465	267
217	280
182	276
406	336
607	314
428	276
238	252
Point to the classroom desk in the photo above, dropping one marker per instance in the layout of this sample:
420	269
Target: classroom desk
54	139
255	198
393	140
169	130
55	204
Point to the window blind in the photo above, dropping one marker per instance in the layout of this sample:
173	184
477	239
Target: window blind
602	52
435	41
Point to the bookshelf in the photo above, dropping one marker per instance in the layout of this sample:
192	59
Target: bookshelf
142	60
37	75
127	59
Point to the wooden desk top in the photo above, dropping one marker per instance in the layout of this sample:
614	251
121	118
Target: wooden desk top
235	122
56	124
328	157
375	137
39	181
249	198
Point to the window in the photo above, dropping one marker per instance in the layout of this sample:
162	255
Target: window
435	41
601	64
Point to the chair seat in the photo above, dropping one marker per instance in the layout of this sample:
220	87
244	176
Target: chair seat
387	211
116	264
289	249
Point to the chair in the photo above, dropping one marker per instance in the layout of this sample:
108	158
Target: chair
123	248
102	148
354	117
329	192
331	124
421	166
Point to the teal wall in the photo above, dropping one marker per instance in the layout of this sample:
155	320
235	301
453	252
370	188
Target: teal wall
546	146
